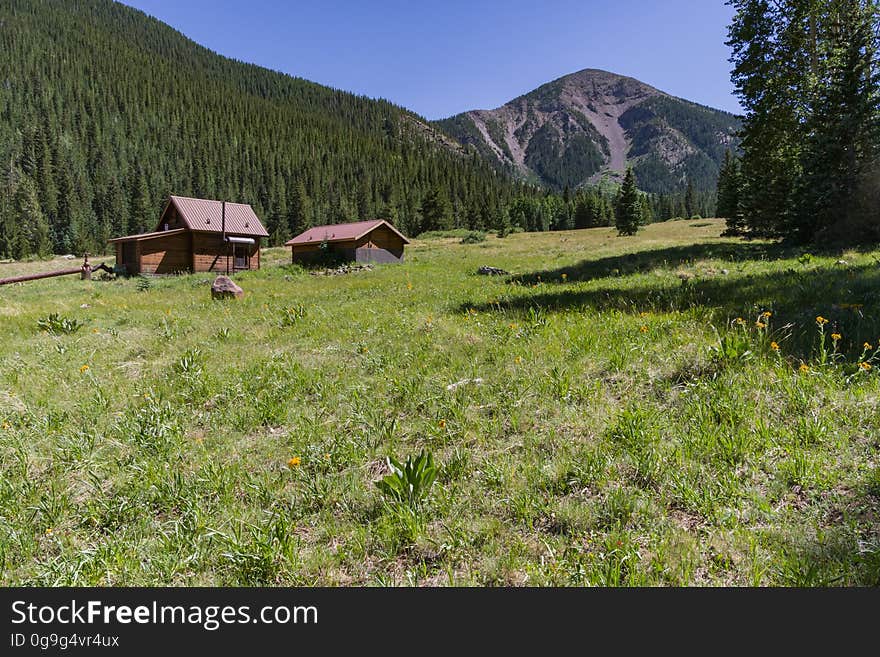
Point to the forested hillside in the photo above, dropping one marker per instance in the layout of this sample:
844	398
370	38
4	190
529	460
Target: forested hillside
105	111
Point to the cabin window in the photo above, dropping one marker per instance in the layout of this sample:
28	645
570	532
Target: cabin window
242	261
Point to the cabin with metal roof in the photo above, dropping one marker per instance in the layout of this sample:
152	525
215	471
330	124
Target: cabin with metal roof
195	235
363	241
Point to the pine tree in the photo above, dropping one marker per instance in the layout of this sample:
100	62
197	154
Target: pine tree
728	195
34	228
843	131
806	73
583	212
143	216
503	224
299	209
690	203
647	213
628	215
435	211
771	63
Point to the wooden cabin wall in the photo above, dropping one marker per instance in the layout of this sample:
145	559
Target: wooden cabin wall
380	245
165	255
308	254
210	253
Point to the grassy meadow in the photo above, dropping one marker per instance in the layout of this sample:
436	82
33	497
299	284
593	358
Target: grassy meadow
664	409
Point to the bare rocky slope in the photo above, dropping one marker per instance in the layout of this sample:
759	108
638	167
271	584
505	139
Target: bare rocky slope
591	124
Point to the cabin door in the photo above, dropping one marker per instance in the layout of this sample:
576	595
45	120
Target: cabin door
241	257
129	257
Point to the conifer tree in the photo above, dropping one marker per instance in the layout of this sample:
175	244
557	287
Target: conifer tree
728	195
503	224
33	226
435	211
628	217
806	73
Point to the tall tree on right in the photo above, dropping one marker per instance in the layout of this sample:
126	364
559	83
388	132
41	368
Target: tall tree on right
806	73
839	157
628	215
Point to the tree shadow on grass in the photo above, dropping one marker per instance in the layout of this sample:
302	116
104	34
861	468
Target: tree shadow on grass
666	258
796	292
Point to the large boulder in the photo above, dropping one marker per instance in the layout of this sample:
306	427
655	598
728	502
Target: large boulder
224	287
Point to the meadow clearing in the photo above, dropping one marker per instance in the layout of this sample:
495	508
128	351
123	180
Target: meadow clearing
674	408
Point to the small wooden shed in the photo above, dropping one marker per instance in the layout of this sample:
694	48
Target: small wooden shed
195	235
363	241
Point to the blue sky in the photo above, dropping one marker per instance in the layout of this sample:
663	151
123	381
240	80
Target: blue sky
441	58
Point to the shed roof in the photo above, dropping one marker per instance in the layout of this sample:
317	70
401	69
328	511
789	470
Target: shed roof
206	215
341	232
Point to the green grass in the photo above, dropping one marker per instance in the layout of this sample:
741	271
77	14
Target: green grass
613	423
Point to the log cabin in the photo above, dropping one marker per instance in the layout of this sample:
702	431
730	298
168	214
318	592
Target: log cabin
195	235
363	241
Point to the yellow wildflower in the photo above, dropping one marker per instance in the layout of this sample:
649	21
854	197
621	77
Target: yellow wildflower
6	425
294	462
517	360
49	531
761	325
804	368
514	326
774	346
564	277
836	336
644	329
442	424
94	330
740	321
867	346
766	314
865	366
821	321
83	369
408	285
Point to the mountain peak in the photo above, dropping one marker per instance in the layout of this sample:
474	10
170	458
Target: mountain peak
591	124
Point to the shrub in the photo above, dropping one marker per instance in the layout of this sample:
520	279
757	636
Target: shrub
440	234
55	324
291	315
409	483
474	237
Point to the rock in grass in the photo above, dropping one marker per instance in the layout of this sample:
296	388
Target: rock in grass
455	386
492	271
223	287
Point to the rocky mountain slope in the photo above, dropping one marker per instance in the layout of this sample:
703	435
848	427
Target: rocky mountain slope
589	125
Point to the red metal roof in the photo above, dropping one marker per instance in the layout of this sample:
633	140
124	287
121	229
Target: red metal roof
341	232
207	216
